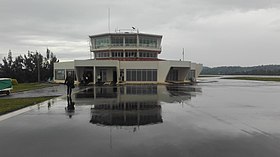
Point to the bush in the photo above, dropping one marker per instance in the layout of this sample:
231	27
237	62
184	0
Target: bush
14	82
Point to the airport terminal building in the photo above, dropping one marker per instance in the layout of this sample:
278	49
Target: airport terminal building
124	58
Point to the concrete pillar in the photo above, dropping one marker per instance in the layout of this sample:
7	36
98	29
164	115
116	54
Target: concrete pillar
94	75
124	74
118	74
137	53
123	41
77	73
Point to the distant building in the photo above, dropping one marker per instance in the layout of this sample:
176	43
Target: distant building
127	57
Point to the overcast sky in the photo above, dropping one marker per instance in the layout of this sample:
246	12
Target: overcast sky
212	32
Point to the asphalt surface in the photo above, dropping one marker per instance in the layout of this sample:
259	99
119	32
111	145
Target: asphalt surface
228	118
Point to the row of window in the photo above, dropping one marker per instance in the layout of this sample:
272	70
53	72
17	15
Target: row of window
130	41
61	75
147	55
102	54
131	75
141	75
148	42
117	41
130	54
103	42
117	54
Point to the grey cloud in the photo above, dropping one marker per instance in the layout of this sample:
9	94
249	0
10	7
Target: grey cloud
201	26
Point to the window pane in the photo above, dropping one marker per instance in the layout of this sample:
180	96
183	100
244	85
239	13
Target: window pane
102	42
117	41
139	75
128	75
149	75
130	41
154	75
144	75
133	75
59	74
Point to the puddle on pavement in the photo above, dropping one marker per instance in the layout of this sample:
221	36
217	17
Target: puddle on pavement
154	120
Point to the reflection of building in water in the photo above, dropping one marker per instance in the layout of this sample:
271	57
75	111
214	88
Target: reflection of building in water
125	105
136	93
127	114
179	93
131	105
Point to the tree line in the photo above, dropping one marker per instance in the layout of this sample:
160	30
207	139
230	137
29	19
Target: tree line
237	70
31	67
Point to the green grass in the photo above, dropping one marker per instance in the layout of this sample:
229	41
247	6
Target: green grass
255	78
9	105
30	86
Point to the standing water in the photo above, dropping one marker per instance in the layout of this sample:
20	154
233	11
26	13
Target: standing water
224	118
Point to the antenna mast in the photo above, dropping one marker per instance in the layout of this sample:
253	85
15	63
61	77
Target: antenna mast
183	54
109	20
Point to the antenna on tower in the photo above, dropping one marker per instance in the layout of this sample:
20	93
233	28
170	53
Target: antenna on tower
109	20
183	54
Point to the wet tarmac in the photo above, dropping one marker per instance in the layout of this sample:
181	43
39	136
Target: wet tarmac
228	118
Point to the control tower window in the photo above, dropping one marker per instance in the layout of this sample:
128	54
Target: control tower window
148	42
130	41
130	54
117	54
102	42
117	41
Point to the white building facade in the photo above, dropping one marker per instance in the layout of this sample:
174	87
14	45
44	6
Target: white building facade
129	57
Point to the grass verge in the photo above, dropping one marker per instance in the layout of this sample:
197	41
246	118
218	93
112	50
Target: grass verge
30	86
9	105
255	78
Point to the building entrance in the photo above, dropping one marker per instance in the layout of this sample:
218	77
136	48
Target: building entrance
88	75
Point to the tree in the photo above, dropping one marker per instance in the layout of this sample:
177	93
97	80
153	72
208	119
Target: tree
29	67
17	69
6	67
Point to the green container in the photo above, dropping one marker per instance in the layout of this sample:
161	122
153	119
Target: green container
5	84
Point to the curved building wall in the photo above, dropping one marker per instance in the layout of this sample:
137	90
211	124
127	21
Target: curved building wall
133	71
127	58
125	45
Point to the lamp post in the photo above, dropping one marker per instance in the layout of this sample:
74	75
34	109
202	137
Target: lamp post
38	65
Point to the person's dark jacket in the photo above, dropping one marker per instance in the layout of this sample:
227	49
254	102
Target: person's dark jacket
69	81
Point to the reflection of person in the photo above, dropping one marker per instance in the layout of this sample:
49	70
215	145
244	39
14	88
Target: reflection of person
69	81
99	78
70	107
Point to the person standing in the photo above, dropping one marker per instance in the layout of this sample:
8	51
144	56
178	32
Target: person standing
69	81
